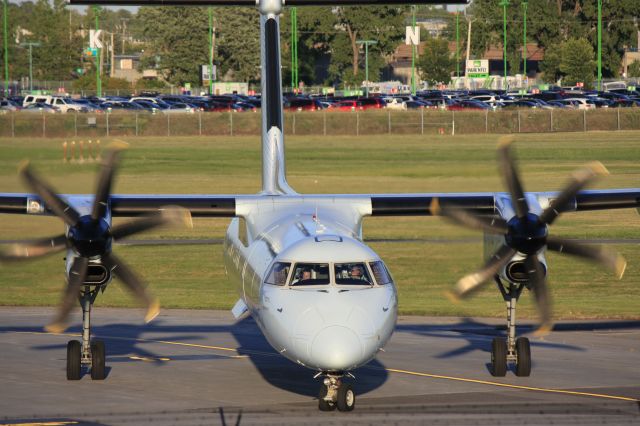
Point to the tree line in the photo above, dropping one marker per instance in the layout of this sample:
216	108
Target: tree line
175	40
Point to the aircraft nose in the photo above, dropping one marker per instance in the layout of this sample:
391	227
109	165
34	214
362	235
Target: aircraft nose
337	348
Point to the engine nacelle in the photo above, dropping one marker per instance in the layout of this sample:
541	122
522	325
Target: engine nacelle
515	271
97	273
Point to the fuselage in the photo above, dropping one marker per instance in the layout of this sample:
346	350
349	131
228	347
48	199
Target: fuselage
328	319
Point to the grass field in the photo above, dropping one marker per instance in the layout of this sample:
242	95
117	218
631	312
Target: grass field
193	276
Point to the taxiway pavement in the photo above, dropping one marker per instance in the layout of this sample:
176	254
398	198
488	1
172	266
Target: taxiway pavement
202	367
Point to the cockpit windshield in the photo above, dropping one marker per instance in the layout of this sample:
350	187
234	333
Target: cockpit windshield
310	274
352	274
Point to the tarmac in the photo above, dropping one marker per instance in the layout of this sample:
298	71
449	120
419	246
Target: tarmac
203	368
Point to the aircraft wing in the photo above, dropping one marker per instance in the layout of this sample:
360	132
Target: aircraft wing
484	203
131	205
224	205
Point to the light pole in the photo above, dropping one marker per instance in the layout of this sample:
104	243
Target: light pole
413	54
504	5
599	44
457	45
524	46
294	49
366	62
210	50
96	11
31	45
6	49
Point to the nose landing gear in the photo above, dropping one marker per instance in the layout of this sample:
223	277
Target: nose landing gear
89	353
334	393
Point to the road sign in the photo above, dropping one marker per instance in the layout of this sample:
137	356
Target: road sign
412	36
477	68
205	75
92	52
94	39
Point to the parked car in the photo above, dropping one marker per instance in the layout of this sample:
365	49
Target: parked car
9	105
349	106
40	107
468	104
301	104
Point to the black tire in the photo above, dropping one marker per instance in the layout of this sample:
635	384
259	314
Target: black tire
74	353
499	357
322	404
97	360
523	352
346	397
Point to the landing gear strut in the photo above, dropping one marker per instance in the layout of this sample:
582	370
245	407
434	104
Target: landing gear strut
334	393
88	353
512	350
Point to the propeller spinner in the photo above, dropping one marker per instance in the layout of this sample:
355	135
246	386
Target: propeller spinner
528	233
90	237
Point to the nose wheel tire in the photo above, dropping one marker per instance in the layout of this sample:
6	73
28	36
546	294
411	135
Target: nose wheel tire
346	397
74	365
97	360
499	357
324	405
523	352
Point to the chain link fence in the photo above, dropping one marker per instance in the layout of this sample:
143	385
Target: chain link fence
121	124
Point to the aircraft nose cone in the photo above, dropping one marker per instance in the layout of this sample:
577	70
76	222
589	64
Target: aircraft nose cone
337	348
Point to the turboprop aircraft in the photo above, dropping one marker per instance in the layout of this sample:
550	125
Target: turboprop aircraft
319	294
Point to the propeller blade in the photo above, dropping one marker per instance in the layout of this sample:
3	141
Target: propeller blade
106	179
491	225
538	284
133	284
33	249
596	253
471	282
579	180
508	165
167	215
77	275
48	195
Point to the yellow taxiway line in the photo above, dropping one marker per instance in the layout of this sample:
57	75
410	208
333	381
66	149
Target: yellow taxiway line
390	370
506	385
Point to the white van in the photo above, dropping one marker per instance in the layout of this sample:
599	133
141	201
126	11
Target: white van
34	99
66	104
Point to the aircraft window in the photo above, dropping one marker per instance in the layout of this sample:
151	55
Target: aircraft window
310	274
380	273
278	274
352	274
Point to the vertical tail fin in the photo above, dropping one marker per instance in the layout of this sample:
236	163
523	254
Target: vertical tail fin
274	179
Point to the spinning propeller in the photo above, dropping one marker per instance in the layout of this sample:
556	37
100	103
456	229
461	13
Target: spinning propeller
90	237
528	234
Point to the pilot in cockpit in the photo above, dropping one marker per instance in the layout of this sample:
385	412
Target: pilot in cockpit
356	273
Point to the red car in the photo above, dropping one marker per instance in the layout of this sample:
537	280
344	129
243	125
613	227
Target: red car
349	106
372	103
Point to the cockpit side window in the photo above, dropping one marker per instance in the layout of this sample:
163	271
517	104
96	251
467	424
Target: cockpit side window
380	273
352	274
279	273
310	274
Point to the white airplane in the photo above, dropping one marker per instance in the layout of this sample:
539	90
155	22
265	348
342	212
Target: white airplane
320	295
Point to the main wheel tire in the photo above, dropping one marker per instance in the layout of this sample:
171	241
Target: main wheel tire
324	405
346	397
499	357
523	352
97	360
74	354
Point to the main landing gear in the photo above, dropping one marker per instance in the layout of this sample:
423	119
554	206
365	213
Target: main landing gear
513	350
334	393
87	353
